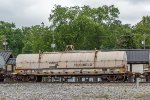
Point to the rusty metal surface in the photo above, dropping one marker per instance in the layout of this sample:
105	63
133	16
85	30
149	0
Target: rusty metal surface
58	60
73	60
49	60
74	72
77	60
35	61
27	61
111	59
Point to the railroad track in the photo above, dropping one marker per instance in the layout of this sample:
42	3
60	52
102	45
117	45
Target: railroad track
78	82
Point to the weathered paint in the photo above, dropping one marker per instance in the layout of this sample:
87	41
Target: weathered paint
111	59
35	61
75	60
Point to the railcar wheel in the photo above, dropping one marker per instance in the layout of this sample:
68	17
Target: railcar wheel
147	78
104	78
25	78
121	78
32	78
112	78
38	78
18	78
2	80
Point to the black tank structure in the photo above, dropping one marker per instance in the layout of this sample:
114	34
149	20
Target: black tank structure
137	56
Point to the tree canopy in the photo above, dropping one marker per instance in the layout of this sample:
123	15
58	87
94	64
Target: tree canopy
84	27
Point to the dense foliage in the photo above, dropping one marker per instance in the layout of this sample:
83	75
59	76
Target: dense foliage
84	27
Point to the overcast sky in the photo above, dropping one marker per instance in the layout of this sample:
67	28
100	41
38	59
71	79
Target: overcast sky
33	12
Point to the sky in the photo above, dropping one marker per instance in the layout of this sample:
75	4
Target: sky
33	12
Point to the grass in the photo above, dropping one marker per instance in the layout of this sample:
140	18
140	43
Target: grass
141	95
98	96
103	96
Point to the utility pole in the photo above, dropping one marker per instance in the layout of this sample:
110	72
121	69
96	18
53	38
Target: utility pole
143	42
53	43
5	43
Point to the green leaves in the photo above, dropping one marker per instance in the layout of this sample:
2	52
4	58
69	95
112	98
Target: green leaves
140	29
84	27
37	38
12	35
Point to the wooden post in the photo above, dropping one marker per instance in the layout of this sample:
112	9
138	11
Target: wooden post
130	67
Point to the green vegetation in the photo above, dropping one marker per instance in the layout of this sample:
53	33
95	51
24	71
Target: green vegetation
84	27
142	96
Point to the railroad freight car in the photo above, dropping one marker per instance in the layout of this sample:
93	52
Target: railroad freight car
73	66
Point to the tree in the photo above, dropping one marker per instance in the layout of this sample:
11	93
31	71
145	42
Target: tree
126	39
37	38
82	26
142	30
13	35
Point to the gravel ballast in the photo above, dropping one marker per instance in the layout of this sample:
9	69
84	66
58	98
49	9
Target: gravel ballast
68	91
